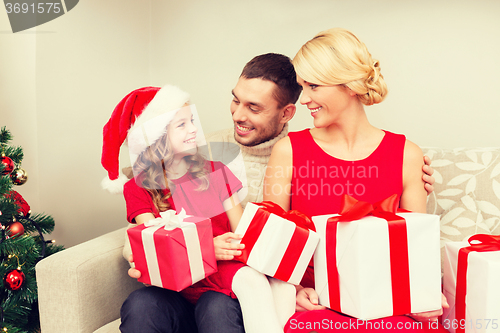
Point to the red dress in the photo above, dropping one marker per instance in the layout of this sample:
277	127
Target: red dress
208	203
318	182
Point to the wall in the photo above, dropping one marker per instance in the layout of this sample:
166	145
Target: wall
439	58
59	82
63	79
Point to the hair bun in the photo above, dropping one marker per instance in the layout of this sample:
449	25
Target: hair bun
375	85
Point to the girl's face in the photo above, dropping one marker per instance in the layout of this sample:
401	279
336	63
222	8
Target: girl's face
182	133
326	103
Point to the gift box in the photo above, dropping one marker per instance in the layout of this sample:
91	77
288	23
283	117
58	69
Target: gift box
470	284
372	263
173	251
277	243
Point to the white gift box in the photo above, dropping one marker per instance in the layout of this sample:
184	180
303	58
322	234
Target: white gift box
364	268
268	252
482	311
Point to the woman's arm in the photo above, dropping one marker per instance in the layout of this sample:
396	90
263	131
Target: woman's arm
278	179
414	196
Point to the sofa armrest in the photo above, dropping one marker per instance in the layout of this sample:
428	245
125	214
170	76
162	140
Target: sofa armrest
83	287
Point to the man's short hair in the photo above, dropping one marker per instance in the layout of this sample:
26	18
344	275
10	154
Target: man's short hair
279	69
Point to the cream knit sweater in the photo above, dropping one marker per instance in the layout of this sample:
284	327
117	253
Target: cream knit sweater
255	160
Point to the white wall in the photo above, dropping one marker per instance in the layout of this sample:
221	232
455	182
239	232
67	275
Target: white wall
439	58
60	82
63	79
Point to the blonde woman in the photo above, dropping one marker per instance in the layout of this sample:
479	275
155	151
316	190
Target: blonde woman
343	153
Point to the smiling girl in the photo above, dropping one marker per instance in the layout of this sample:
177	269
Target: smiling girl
170	173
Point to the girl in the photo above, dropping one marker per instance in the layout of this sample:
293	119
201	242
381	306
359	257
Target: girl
339	77
170	173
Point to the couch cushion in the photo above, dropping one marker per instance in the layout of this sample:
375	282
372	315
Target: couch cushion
466	192
112	327
468	175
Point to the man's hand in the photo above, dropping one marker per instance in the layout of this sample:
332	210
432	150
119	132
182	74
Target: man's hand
307	299
427	177
224	249
134	273
430	315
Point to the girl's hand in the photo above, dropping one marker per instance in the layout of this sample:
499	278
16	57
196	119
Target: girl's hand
307	299
430	315
224	249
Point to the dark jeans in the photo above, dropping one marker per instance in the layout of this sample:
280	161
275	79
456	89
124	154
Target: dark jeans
152	309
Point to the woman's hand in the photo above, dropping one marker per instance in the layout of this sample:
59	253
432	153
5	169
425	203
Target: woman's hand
224	249
430	315
307	299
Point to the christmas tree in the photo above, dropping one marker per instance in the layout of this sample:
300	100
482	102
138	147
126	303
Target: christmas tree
22	244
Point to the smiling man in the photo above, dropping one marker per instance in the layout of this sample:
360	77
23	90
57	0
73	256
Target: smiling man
263	102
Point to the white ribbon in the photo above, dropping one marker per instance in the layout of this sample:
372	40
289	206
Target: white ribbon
168	219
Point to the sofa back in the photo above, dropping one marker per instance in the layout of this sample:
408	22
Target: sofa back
466	192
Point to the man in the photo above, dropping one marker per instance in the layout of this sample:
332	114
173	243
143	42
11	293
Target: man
263	102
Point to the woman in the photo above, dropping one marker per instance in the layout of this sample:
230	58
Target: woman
310	170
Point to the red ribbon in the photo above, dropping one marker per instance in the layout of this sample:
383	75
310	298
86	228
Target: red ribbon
486	243
299	238
350	210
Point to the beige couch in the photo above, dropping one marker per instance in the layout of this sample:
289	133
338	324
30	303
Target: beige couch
82	288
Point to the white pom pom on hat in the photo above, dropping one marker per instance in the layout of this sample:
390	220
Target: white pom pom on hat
133	111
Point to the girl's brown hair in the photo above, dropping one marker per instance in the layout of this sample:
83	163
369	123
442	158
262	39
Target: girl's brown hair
153	164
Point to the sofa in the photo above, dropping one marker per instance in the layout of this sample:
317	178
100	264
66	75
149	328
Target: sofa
81	289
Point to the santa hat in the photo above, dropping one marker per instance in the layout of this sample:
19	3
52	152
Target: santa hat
129	120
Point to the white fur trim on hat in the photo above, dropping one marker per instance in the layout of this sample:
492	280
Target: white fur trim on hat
114	186
152	123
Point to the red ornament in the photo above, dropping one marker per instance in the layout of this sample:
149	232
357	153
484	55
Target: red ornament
15	229
24	207
14	279
8	164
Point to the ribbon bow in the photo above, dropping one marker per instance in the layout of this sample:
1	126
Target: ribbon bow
485	242
352	209
299	218
168	219
478	243
297	241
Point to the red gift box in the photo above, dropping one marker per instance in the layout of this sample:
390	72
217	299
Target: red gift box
174	251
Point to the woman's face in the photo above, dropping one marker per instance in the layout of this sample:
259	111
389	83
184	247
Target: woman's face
182	133
326	103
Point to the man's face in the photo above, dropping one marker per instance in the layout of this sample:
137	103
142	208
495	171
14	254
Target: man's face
255	112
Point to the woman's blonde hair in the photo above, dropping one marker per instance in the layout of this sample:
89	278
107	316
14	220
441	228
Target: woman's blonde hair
153	164
336	56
